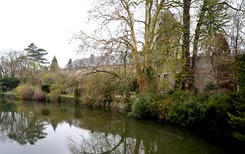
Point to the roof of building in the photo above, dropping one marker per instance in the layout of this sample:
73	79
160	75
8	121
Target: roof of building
94	61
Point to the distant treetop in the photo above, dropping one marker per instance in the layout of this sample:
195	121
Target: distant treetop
54	65
36	54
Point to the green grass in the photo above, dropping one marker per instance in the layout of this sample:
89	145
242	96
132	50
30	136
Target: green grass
67	95
10	93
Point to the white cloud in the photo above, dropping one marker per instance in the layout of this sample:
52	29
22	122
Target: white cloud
49	24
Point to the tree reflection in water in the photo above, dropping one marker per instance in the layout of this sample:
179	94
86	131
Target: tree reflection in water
22	127
103	143
99	143
92	131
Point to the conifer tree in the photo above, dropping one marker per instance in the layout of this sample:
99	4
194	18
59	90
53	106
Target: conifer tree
54	65
69	64
36	55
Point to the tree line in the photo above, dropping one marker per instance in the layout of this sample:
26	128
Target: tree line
156	31
30	61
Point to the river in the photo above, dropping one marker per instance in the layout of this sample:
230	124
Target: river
38	128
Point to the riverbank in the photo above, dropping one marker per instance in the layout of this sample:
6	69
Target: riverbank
217	117
119	105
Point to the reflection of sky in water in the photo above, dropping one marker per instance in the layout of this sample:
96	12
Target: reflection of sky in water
92	131
3	138
54	143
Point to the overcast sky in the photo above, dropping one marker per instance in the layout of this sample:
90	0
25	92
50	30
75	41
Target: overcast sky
50	24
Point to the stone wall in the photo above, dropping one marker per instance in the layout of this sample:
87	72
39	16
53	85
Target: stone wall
217	70
204	73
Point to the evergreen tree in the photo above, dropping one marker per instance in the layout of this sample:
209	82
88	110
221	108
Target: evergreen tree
54	65
36	55
69	64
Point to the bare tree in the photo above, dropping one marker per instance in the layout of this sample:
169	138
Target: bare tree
13	62
237	31
127	25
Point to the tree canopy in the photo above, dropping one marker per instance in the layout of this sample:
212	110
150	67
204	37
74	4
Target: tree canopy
36	54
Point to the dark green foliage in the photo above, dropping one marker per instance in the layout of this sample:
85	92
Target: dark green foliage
210	86
133	86
189	111
46	88
180	78
9	83
217	118
240	66
36	54
179	96
237	124
140	106
221	114
150	75
218	113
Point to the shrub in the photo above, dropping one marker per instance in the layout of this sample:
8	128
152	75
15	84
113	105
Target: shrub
141	104
153	109
9	83
237	124
180	96
90	100
218	106
25	92
38	95
227	114
188	112
210	86
98	89
138	107
58	80
30	92
54	96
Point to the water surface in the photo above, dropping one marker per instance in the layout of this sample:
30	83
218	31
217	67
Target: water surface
36	128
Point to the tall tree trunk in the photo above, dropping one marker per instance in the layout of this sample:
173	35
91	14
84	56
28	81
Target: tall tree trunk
196	38
141	78
186	43
152	14
237	37
148	5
